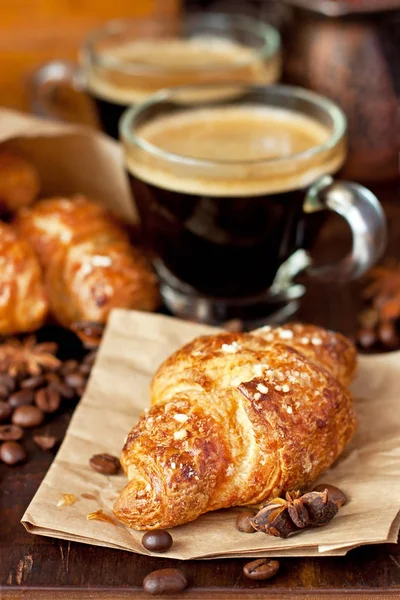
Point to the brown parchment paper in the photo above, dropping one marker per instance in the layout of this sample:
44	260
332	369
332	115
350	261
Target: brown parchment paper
133	347
70	159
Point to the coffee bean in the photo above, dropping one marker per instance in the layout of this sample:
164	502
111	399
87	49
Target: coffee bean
165	581
80	391
89	333
32	383
45	442
260	569
105	463
75	380
334	494
47	399
10	433
5	411
4	392
366	337
27	416
63	389
8	382
157	541
12	453
243	521
90	358
69	366
52	377
20	398
85	369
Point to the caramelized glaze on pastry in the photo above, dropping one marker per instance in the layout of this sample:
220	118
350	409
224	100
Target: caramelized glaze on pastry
23	303
19	182
236	419
89	264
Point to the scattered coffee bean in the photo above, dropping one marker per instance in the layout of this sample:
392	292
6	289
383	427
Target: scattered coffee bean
10	433
5	411
12	453
4	392
85	369
165	581
366	337
63	389
80	391
52	377
105	463
157	541
90	358
45	442
75	380
27	416
20	398
47	399
8	382
32	383
69	366
261	569
89	333
243	521
334	494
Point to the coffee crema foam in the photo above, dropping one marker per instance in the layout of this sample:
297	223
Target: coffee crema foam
255	148
174	62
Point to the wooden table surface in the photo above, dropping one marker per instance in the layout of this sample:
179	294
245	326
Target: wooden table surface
34	567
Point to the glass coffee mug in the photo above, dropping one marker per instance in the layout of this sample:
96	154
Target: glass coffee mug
128	60
224	186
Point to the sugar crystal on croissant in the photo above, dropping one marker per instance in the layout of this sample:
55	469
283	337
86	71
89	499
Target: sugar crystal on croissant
236	419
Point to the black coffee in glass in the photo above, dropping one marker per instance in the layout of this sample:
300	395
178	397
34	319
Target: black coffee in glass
221	187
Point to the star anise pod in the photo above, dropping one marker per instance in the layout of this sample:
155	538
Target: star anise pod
27	357
89	333
284	516
274	519
320	507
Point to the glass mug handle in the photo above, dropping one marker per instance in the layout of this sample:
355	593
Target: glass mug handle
363	213
366	219
57	91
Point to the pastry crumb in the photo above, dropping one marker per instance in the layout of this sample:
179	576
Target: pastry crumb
67	500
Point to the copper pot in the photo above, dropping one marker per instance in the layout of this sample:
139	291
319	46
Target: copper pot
352	57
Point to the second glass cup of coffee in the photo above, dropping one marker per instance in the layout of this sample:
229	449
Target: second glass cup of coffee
223	186
128	60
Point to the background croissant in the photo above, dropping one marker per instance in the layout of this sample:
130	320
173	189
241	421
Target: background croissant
89	264
237	419
23	301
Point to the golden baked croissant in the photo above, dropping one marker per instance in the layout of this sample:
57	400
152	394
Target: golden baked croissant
19	182
236	419
23	303
89	264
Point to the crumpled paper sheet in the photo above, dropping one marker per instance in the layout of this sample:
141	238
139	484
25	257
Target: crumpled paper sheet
70	158
133	347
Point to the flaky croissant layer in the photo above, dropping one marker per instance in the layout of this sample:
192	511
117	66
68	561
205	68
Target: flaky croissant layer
236	419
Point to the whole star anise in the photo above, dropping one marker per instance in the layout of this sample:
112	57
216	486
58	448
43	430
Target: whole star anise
283	516
27	357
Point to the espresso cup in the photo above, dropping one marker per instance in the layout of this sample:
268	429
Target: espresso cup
223	188
128	60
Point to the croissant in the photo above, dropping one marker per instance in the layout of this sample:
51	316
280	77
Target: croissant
89	264
19	182
23	303
236	419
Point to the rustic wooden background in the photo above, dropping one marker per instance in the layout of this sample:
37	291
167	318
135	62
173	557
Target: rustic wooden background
35	31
